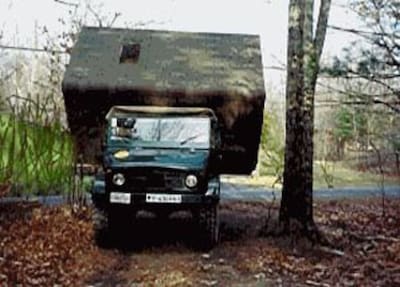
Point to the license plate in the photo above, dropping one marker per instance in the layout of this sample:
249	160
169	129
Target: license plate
163	198
120	197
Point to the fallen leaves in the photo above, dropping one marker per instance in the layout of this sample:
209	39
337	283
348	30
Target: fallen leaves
55	246
369	239
45	246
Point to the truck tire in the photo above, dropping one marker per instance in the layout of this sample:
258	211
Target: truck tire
100	227
208	220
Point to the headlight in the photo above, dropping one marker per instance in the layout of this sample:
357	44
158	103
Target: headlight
191	181
118	179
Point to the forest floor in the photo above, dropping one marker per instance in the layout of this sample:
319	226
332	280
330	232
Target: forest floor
49	246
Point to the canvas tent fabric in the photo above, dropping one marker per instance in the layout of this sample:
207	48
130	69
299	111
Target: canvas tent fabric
222	72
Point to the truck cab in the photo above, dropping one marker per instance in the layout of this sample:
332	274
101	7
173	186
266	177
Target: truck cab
160	159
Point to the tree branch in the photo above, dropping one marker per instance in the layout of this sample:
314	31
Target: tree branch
322	25
374	79
391	105
96	15
279	68
116	15
67	3
357	94
363	33
6	47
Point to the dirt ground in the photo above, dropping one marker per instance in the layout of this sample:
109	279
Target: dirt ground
57	246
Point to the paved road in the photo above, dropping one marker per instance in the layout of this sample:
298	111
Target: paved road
248	193
242	192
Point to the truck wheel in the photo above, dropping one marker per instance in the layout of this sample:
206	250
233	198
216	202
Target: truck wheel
100	227
208	219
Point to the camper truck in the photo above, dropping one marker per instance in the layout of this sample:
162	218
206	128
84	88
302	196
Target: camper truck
164	114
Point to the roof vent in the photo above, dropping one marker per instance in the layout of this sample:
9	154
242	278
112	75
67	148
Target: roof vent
129	53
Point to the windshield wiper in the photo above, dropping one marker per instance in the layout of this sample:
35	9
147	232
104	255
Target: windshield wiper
189	139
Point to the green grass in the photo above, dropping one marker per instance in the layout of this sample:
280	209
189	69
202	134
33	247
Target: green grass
34	158
337	173
345	176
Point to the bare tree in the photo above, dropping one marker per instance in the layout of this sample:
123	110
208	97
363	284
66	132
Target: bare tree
375	58
303	56
366	79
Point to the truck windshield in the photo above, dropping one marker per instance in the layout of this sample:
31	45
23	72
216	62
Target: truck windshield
160	132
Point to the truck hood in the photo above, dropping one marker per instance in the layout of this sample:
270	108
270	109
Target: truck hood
167	158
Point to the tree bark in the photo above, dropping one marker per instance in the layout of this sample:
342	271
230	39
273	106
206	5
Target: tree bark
294	192
304	52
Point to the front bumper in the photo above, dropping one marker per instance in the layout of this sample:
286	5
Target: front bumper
101	198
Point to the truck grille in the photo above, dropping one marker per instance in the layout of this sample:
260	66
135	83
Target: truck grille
154	179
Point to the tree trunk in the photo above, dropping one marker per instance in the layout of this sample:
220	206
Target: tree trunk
296	211
294	191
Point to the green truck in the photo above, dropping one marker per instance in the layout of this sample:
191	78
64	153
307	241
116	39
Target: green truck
165	114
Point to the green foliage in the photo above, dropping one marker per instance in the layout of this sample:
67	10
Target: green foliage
37	153
343	124
338	68
272	146
35	158
350	123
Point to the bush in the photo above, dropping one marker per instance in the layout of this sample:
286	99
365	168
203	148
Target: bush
34	159
271	159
